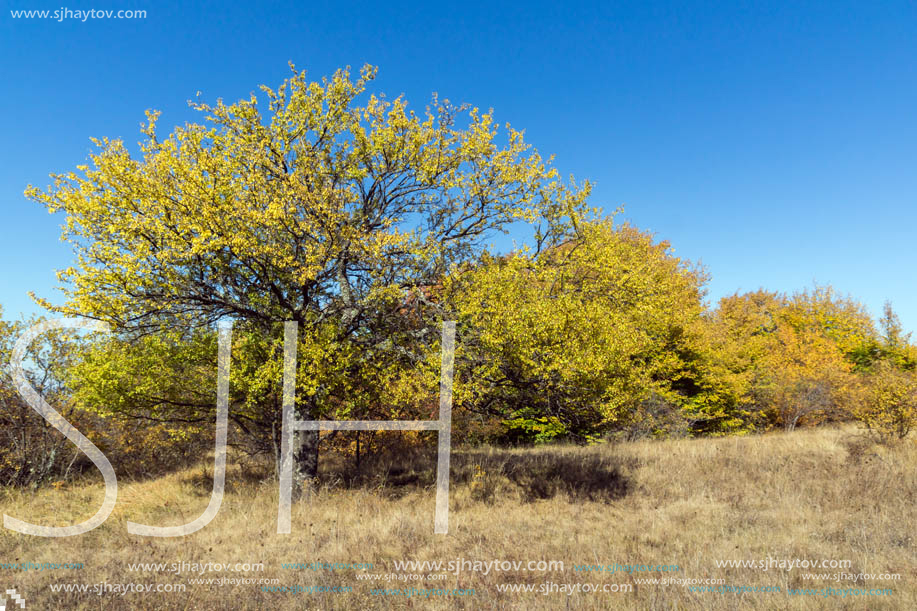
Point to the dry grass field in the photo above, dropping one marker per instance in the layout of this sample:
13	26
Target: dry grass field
824	494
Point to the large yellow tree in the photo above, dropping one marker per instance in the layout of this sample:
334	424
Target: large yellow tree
327	210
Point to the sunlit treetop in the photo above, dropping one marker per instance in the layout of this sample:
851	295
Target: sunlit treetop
331	201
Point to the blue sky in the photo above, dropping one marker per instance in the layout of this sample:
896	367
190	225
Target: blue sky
776	143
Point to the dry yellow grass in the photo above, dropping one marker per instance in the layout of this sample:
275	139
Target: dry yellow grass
809	494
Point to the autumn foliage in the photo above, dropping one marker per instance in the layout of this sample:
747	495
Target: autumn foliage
368	224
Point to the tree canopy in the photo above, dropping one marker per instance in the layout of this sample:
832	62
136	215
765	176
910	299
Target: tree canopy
316	211
330	210
573	338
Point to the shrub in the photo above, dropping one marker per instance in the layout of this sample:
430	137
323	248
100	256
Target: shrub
889	401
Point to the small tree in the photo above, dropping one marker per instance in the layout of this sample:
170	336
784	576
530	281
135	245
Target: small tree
32	451
807	378
889	406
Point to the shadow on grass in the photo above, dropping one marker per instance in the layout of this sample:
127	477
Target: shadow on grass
238	477
582	474
535	474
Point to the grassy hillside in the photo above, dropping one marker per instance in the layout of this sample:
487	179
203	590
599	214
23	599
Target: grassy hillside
823	494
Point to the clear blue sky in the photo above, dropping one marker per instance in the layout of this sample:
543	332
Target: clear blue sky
776	143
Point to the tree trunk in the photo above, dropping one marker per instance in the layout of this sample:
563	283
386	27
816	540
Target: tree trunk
358	451
304	450
305	460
